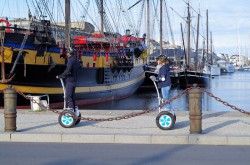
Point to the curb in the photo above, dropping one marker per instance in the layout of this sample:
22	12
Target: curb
199	139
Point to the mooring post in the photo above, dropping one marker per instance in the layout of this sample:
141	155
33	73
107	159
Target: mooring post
10	97
195	114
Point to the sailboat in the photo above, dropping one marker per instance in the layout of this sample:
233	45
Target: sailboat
192	74
211	67
112	66
152	68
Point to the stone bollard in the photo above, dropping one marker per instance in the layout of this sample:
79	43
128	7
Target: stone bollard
195	114
10	97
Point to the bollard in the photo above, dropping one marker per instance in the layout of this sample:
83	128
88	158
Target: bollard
195	111
10	97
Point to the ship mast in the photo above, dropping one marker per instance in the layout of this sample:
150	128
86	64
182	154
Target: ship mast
67	23
148	30
188	37
197	42
211	47
161	27
207	32
101	13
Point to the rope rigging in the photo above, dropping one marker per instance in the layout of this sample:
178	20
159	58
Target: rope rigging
140	19
85	10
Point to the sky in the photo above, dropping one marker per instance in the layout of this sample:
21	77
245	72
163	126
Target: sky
230	25
229	20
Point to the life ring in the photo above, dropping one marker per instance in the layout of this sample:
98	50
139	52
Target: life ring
8	30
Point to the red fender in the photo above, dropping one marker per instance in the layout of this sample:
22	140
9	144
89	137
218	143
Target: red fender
8	30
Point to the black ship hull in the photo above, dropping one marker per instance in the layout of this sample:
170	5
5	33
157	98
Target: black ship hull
189	78
94	84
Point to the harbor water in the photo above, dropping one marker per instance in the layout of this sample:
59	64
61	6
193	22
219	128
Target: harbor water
233	88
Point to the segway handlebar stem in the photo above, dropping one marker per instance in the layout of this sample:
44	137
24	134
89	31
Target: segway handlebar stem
64	93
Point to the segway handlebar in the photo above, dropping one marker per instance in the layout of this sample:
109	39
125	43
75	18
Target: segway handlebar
158	93
64	93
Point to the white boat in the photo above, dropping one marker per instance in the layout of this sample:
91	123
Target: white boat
213	70
226	67
243	68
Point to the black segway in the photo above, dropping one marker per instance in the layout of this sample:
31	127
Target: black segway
68	118
166	118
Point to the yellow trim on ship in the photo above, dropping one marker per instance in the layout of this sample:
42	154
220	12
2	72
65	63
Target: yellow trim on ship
31	58
58	90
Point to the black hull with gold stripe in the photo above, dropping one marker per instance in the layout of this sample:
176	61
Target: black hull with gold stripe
94	84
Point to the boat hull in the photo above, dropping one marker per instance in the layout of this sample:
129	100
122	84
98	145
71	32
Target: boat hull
94	84
189	78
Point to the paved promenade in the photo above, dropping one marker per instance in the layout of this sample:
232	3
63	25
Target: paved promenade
218	128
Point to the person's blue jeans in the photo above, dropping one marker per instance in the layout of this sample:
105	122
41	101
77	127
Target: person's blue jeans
70	92
165	95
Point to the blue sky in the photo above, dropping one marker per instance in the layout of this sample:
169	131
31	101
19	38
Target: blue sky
226	17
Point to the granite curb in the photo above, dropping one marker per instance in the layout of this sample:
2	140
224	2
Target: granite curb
218	128
197	139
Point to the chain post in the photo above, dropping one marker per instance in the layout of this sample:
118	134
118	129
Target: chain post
195	114
10	97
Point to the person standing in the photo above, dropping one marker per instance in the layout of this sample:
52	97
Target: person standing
163	78
70	75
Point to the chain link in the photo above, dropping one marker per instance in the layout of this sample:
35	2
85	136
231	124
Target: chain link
224	102
34	101
131	115
2	91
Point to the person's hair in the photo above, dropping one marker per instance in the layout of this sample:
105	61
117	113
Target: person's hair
162	60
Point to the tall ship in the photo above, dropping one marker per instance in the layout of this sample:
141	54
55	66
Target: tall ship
31	58
186	67
193	73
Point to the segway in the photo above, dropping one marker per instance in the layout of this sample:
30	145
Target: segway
166	118
68	118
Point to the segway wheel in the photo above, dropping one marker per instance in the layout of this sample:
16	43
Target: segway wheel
165	120
78	119
67	119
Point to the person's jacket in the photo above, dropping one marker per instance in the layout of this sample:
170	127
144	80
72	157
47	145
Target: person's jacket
164	77
71	72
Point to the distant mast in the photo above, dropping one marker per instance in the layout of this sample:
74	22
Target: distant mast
207	34
211	47
188	37
161	27
148	30
197	42
67	23
101	13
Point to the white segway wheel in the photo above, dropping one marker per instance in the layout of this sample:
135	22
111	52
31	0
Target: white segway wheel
78	119
165	120
67	119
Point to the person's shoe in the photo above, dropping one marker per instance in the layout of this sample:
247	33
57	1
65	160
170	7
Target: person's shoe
76	111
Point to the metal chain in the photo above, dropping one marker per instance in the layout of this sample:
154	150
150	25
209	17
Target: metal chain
139	113
107	119
2	91
34	101
131	115
224	102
